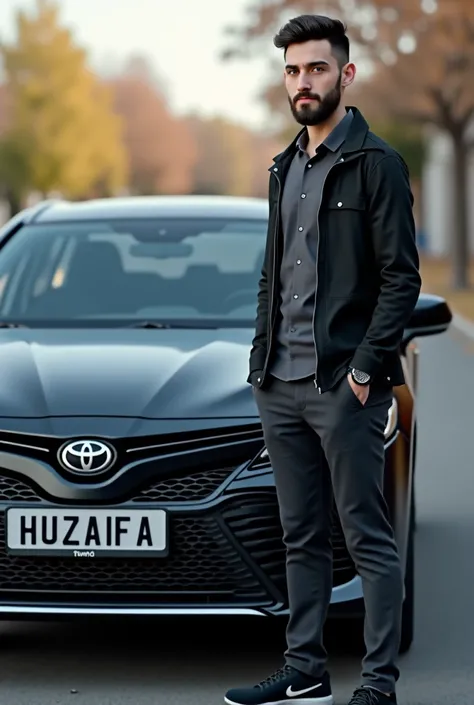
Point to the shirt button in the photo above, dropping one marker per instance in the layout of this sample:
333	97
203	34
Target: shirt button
309	166
295	296
300	228
298	261
303	195
339	205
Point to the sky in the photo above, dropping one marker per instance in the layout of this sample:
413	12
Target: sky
182	38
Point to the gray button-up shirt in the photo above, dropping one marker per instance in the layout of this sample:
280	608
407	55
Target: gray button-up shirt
295	355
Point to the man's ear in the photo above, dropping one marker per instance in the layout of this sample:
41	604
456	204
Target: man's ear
348	74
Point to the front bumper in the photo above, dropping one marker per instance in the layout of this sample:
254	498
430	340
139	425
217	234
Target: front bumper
347	594
226	554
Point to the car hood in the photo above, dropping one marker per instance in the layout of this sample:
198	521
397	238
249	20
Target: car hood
154	374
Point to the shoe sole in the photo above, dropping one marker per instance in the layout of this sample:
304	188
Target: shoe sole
328	700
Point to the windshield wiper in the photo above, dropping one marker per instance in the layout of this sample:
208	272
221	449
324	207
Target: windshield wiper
8	324
163	325
149	324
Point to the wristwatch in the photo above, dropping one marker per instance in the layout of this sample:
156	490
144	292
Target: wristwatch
360	377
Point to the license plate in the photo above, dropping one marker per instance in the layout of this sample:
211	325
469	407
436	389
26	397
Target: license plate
87	533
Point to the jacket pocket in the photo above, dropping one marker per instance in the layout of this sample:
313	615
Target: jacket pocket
348	202
348	260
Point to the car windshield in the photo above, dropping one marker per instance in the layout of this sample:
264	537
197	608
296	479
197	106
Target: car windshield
192	272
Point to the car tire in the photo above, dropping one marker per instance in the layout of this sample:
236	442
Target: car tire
408	610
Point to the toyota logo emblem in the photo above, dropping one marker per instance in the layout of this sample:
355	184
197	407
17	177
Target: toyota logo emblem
86	456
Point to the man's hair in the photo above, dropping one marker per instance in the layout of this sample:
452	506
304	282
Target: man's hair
306	28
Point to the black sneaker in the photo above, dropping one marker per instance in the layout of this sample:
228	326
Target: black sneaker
370	696
287	685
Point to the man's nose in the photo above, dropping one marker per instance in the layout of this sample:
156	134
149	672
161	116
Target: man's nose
304	83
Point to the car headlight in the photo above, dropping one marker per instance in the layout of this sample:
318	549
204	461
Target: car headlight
262	460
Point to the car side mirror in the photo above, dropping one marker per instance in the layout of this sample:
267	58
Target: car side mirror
431	316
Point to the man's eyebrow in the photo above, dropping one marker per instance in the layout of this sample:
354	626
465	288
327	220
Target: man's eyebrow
310	65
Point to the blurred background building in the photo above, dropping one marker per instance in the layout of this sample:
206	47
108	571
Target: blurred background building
439	203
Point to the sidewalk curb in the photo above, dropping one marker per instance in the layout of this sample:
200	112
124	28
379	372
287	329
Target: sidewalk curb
463	325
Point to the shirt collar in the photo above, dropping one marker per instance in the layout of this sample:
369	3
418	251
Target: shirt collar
335	138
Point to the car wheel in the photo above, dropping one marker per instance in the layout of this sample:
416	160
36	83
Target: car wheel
408	610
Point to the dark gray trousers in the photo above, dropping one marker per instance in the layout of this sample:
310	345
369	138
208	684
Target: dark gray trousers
320	447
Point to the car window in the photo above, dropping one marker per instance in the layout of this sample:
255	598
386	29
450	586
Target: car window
194	270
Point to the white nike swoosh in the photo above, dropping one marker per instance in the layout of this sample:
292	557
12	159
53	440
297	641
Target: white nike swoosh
294	693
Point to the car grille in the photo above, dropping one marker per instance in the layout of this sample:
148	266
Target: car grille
12	490
191	488
202	566
234	554
256	525
168	467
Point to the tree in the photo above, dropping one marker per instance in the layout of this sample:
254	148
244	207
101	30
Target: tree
14	174
161	150
60	111
421	53
264	148
430	83
224	163
232	160
13	160
406	136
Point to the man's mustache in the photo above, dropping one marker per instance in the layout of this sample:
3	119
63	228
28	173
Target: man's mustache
314	96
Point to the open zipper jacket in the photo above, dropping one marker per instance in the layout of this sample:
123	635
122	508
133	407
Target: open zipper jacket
367	279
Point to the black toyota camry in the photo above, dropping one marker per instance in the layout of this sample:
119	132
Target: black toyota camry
133	473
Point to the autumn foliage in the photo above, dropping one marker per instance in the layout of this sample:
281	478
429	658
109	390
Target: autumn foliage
64	130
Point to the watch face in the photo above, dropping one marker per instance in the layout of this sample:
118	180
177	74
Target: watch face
360	377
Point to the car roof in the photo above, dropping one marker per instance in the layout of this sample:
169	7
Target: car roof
130	207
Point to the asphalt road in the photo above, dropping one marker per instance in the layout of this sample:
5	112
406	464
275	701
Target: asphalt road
182	662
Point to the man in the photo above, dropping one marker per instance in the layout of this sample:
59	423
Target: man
339	282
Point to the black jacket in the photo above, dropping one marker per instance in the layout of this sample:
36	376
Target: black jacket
367	277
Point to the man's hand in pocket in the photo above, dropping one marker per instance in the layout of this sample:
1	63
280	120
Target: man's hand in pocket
361	391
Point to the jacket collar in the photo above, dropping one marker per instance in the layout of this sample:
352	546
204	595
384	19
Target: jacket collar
354	141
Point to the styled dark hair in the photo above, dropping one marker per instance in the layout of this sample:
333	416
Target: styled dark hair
309	27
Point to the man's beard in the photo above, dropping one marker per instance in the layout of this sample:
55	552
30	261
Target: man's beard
306	114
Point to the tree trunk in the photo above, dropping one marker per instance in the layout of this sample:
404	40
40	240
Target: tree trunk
460	235
417	189
14	202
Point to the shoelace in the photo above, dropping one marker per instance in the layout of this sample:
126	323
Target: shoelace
364	696
276	677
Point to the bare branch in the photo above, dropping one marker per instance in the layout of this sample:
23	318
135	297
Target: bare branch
432	85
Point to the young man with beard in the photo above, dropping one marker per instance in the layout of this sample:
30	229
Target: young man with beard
339	282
